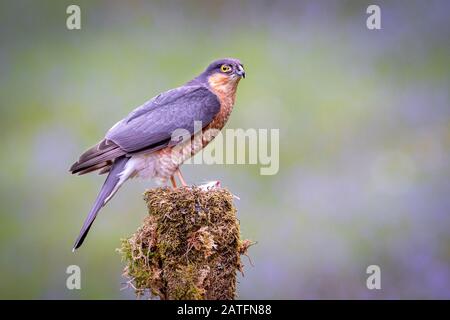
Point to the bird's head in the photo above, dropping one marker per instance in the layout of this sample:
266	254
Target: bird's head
223	75
229	69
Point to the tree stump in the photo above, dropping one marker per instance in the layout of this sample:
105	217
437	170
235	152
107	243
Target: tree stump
189	246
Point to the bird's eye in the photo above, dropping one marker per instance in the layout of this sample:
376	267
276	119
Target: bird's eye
225	68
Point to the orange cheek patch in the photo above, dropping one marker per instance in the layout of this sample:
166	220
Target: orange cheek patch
221	82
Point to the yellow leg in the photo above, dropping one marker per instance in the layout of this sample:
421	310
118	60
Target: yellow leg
180	176
174	183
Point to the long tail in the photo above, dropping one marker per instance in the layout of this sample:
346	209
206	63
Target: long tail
112	183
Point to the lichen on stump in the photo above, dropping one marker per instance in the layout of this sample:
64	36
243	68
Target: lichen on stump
188	247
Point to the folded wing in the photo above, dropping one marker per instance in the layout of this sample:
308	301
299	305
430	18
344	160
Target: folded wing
150	126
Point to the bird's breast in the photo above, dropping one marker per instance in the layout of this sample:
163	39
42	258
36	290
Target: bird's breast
225	90
162	164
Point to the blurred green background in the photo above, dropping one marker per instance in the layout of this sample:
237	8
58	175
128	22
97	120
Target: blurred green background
364	119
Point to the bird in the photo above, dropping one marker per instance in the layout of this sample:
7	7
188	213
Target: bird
142	145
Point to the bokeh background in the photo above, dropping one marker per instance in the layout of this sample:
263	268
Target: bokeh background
364	119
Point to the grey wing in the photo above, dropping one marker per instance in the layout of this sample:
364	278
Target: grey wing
151	125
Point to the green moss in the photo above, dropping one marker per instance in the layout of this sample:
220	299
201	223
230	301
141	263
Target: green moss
188	247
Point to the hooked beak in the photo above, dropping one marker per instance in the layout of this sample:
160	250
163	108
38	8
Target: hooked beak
240	71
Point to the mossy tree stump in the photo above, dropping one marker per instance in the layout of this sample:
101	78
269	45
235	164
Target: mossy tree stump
188	247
